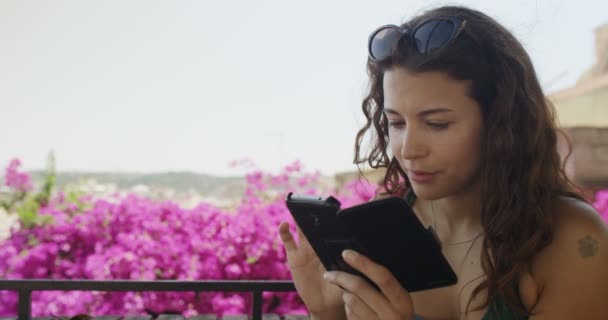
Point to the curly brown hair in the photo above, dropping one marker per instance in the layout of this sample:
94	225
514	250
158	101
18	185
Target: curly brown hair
522	172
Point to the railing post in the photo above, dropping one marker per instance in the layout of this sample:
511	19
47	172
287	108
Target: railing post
25	304
257	305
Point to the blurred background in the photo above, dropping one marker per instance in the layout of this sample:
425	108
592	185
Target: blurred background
190	86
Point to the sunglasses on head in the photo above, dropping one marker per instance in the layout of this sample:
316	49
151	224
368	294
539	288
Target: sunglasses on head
429	37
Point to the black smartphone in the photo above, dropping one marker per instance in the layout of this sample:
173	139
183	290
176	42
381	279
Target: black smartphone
385	230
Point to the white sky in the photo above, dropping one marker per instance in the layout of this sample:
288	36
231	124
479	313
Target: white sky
154	86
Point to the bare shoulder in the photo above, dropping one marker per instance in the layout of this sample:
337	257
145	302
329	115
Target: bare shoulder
579	224
578	231
574	263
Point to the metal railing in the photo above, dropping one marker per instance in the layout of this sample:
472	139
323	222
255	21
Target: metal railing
256	287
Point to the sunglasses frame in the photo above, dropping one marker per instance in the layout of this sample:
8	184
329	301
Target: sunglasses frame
458	24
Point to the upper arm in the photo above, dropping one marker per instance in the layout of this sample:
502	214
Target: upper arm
575	272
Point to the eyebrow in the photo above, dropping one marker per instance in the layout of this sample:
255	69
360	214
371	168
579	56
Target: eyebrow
421	113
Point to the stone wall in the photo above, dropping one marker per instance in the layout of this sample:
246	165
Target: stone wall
588	163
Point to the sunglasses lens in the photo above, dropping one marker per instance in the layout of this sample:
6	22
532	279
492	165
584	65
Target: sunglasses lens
433	35
383	43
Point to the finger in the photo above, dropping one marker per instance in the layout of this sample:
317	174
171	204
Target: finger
286	237
356	308
360	287
398	297
303	240
350	315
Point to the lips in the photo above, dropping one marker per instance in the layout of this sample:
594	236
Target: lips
418	171
420	175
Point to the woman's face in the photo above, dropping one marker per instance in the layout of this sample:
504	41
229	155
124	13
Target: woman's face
435	131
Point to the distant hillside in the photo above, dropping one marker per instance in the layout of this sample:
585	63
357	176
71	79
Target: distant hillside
184	182
179	181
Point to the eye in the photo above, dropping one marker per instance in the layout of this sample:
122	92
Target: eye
438	125
397	124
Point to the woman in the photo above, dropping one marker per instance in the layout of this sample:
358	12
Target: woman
458	119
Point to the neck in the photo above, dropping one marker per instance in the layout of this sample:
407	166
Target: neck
457	217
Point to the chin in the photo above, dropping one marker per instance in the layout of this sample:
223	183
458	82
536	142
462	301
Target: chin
427	192
437	191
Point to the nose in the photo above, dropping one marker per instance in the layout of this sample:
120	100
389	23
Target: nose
412	144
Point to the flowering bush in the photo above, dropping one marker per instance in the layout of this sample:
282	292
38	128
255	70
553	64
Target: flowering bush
601	203
130	237
27	204
13	178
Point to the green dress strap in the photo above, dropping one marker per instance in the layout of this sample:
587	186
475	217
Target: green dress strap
410	197
498	310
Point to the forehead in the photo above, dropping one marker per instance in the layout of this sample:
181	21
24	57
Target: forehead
406	92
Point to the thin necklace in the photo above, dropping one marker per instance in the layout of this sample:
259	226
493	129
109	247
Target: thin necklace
434	230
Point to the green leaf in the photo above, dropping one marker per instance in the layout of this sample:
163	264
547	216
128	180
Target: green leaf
32	240
46	220
28	213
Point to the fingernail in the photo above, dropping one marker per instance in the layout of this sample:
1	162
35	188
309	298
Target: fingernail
329	276
349	254
346	297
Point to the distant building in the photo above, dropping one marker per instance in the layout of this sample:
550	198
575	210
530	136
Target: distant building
582	111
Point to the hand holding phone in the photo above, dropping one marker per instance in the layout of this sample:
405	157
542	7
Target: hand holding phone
386	231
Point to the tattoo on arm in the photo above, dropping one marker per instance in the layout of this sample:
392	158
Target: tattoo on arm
588	247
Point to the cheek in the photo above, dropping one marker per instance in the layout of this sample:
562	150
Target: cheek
395	145
463	151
